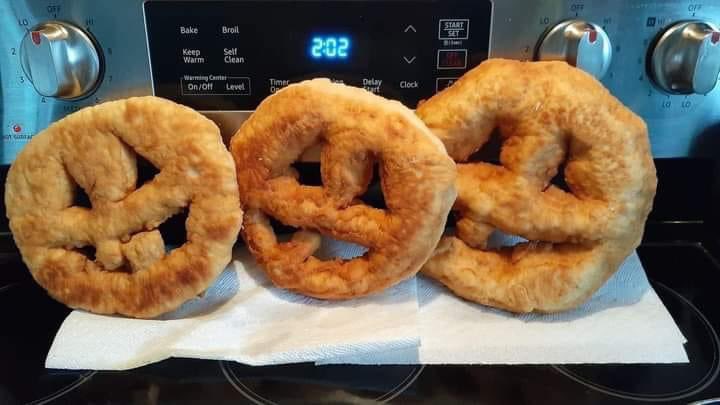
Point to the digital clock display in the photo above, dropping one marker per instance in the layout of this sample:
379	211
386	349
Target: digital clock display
330	47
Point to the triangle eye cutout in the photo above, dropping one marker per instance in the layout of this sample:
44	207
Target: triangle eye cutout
490	151
374	195
308	173
173	230
81	198
88	251
146	171
559	180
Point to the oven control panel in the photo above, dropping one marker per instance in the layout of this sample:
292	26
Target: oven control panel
230	56
223	57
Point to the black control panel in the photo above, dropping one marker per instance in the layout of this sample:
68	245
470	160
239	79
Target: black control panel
231	55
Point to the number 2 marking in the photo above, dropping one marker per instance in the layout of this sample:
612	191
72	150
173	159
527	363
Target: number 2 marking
342	49
316	49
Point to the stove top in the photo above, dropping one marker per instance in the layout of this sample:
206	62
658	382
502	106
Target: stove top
683	274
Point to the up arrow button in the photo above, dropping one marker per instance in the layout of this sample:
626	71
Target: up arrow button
410	28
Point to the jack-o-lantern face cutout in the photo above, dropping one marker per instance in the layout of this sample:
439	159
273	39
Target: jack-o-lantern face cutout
94	148
355	129
548	113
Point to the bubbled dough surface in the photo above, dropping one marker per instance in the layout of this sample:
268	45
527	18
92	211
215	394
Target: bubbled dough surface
548	113
95	149
355	129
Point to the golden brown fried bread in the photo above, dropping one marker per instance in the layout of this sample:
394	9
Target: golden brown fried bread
356	130
548	114
95	149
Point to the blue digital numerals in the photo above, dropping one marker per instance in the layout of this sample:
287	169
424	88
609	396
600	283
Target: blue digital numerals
329	47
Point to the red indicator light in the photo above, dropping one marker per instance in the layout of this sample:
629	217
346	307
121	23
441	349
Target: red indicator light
452	59
593	36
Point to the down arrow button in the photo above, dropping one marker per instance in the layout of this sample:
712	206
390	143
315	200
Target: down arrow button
409	60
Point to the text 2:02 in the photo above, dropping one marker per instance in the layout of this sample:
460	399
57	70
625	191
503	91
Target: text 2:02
330	47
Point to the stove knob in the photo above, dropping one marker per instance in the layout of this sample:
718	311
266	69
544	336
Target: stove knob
686	58
580	43
60	60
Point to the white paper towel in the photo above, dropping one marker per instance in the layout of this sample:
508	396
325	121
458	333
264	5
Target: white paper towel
624	322
242	317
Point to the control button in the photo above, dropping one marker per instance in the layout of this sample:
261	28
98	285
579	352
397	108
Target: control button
60	60
189	30
198	85
582	44
442	83
230	56
234	30
409	84
192	56
455	28
452	58
213	85
409	59
239	86
277	84
686	58
372	84
410	28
